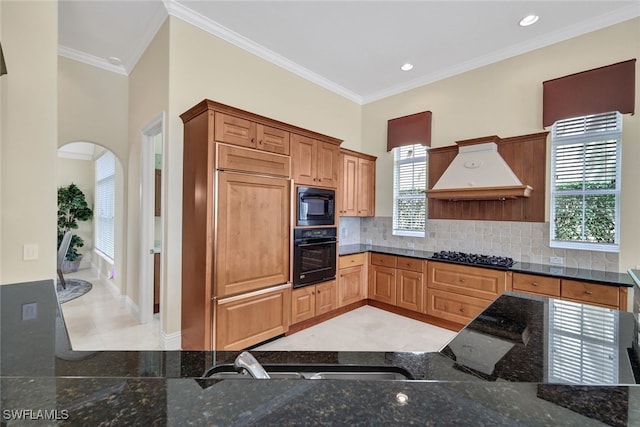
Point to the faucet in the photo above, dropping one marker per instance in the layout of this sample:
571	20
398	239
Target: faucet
249	363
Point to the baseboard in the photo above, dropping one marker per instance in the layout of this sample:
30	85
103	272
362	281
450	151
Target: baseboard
171	341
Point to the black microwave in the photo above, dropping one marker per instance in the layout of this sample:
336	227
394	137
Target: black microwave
316	206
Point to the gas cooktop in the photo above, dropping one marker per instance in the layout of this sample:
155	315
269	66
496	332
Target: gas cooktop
474	259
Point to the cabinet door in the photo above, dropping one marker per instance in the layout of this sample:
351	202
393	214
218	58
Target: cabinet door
328	167
303	160
303	304
234	130
382	284
409	290
349	192
253	233
326	297
249	319
272	139
351	285
366	191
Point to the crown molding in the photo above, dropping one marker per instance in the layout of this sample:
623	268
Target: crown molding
182	12
579	29
89	59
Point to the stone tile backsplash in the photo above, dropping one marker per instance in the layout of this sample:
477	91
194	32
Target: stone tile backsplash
522	241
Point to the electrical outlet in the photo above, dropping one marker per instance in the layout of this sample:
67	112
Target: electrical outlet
556	260
30	311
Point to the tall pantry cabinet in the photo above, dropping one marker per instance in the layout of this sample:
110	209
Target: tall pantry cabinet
236	288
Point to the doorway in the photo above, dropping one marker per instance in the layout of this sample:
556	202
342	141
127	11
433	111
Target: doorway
151	229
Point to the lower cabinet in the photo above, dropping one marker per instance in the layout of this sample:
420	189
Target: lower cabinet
458	293
352	279
247	319
310	301
398	281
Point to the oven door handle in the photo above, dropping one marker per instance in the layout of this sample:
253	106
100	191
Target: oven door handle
302	245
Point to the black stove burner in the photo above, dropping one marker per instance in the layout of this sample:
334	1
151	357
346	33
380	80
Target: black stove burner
463	258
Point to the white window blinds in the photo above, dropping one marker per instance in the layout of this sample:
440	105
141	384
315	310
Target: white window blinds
583	344
585	188
409	187
105	203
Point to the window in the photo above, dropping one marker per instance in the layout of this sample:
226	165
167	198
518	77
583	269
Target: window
585	182
583	344
409	190
105	201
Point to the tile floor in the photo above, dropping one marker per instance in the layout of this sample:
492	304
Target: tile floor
98	320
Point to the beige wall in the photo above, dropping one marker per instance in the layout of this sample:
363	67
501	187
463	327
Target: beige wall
505	99
93	107
148	97
29	35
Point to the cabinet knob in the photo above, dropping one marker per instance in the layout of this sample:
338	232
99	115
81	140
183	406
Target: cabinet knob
461	280
319	179
461	309
588	292
534	284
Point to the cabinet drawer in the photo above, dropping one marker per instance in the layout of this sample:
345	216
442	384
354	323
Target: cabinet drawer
536	284
347	261
591	292
383	260
472	281
454	307
411	264
234	130
246	160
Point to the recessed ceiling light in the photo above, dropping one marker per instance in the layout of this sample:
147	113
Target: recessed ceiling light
529	20
406	67
113	60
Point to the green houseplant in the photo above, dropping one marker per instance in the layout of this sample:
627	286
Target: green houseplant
72	207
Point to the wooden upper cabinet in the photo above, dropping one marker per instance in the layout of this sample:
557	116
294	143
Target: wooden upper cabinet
235	130
273	140
238	131
315	163
357	184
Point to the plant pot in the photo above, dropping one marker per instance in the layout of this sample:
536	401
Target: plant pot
71	266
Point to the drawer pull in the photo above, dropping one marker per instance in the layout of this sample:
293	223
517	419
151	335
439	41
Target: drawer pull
534	284
461	280
461	309
588	292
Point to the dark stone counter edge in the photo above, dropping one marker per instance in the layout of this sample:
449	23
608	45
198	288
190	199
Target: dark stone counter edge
635	275
594	276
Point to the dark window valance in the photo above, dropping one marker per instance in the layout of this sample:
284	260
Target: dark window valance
604	89
412	129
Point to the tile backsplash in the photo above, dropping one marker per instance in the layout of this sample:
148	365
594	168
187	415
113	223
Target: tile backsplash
522	241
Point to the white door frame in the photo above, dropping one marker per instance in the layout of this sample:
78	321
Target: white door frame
147	223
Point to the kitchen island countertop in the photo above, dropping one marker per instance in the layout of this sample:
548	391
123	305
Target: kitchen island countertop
40	372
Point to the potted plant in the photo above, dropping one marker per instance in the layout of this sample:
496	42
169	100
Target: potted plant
72	207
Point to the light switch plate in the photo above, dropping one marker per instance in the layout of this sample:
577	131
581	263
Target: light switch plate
30	311
30	252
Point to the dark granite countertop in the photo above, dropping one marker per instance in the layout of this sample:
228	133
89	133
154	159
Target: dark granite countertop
635	275
595	276
41	376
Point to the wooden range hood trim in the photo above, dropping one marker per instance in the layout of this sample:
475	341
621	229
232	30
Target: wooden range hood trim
481	193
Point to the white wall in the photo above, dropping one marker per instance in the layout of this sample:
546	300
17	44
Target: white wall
28	122
505	99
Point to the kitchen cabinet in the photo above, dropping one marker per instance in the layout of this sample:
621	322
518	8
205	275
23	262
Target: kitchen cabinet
357	184
397	281
236	222
315	163
247	133
458	293
573	290
246	319
310	301
352	279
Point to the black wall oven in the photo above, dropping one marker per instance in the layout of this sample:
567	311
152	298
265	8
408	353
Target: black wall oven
314	255
316	206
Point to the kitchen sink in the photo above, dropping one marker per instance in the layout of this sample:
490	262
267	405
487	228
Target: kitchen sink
316	372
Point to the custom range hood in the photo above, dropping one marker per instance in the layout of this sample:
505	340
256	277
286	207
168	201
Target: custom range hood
479	172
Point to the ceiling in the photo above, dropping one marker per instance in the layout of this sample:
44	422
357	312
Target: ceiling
354	48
